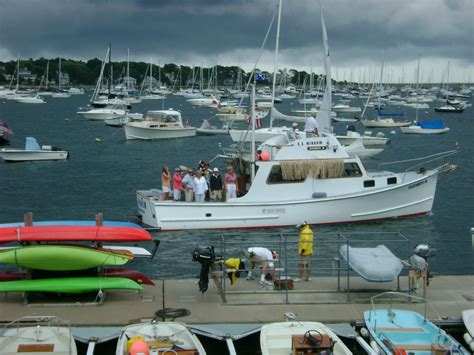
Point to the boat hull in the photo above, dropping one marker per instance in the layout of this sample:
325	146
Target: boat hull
62	257
73	285
385	123
413	197
420	130
134	132
12	155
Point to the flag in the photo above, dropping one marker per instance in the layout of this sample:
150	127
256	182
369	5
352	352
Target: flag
4	128
258	121
260	77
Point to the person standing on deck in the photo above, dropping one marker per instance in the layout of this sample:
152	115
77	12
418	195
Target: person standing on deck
200	187
230	183
177	184
165	182
215	185
188	185
311	127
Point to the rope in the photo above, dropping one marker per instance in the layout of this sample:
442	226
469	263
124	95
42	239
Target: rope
172	313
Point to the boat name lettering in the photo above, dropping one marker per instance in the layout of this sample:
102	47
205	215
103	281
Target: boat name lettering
311	143
273	210
317	148
418	184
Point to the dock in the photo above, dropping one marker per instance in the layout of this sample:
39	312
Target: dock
246	302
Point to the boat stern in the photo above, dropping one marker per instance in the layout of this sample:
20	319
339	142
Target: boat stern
146	210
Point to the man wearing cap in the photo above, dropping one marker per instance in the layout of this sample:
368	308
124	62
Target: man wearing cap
215	185
263	259
177	184
305	250
188	184
291	133
311	127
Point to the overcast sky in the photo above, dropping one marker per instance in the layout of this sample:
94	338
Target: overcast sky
206	32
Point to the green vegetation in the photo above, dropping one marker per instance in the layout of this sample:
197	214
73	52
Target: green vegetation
86	73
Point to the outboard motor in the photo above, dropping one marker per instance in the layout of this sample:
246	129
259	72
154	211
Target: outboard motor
418	261
351	128
206	256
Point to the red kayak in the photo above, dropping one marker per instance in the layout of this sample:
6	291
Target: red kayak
134	275
73	233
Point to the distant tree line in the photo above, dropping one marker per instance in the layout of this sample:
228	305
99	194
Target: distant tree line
87	73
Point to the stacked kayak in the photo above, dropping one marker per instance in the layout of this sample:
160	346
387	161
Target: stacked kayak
46	249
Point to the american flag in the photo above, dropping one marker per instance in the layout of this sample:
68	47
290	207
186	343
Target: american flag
258	121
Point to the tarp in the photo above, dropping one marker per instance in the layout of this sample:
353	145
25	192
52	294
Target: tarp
31	144
435	124
388	114
377	264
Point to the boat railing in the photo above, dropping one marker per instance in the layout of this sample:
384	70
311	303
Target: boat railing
47	321
424	160
410	297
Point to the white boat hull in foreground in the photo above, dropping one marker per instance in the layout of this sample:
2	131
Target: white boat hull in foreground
160	337
30	155
276	338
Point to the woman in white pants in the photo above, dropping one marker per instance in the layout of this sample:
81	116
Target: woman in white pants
230	182
200	187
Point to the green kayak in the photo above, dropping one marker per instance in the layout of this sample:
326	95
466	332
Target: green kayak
61	257
70	285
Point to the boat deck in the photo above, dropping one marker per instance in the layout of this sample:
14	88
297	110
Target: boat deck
247	302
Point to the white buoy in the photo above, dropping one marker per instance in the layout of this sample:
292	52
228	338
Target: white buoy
98	140
364	332
393	133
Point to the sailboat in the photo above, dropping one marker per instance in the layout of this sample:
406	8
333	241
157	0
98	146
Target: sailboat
59	93
45	92
24	98
424	127
312	179
150	95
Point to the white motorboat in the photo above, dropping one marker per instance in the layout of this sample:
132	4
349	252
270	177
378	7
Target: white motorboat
344	119
450	109
367	139
38	335
32	152
152	96
76	91
279	196
284	337
160	124
119	121
60	95
343	106
357	148
158	338
101	114
426	127
211	102
29	99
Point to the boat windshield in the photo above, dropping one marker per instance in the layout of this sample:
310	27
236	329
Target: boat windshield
163	116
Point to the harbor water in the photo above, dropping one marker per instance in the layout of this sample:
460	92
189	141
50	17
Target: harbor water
104	171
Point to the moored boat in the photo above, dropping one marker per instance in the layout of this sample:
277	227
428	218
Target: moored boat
158	338
32	152
397	331
308	337
38	335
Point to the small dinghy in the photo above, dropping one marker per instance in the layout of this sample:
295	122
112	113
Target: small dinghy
398	331
158	338
377	264
300	337
33	151
38	335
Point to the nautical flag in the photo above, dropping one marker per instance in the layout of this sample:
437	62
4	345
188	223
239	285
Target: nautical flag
258	121
260	77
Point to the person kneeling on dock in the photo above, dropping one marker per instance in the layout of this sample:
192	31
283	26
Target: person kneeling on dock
263	259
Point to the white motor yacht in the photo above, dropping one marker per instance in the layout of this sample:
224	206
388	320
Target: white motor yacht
33	151
101	114
159	124
29	99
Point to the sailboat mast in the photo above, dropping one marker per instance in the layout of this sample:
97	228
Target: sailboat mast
18	74
151	75
128	69
417	83
47	74
275	67
59	75
110	69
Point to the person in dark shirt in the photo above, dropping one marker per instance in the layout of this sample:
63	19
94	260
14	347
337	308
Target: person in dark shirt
215	184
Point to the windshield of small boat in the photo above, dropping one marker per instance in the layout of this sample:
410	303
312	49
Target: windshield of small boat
164	116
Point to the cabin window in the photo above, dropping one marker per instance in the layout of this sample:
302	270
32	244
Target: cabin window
392	180
352	169
369	183
276	176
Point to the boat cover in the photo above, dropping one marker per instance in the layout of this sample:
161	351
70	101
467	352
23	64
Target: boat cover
31	144
377	264
388	114
435	124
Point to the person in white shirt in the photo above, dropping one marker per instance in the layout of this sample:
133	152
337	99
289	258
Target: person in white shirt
200	187
291	133
311	127
188	185
263	259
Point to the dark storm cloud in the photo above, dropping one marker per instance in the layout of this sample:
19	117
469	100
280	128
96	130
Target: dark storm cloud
206	31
